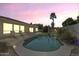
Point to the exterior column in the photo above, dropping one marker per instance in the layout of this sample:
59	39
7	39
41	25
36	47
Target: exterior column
12	32
19	28
34	30
12	27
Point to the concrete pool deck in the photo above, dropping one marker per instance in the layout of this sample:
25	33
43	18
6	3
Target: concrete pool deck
64	50
12	41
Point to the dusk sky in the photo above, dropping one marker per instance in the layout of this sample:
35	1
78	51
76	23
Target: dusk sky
40	12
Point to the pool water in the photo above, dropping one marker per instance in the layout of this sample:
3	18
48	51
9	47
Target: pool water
43	44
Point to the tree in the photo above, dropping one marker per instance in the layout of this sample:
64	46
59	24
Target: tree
68	21
52	16
52	24
31	23
77	21
77	17
46	28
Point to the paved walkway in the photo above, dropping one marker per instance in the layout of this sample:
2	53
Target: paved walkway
75	51
64	50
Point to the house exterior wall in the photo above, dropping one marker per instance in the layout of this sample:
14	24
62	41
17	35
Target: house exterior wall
1	28
34	27
26	28
12	21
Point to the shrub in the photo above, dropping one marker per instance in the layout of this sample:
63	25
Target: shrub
66	36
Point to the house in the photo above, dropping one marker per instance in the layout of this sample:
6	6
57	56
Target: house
8	26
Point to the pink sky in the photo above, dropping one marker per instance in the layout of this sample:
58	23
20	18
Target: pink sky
39	12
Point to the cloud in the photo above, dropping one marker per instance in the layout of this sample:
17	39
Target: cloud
11	7
31	16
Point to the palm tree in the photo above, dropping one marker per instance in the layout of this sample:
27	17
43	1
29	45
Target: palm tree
52	24
52	16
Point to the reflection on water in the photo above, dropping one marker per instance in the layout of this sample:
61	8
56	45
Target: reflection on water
43	43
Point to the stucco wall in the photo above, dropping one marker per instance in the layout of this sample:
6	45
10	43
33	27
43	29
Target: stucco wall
74	28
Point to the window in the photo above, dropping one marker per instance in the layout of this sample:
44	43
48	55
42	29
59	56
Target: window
22	28
31	29
7	27
36	29
16	28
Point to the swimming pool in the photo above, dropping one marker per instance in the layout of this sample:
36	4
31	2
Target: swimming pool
42	43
